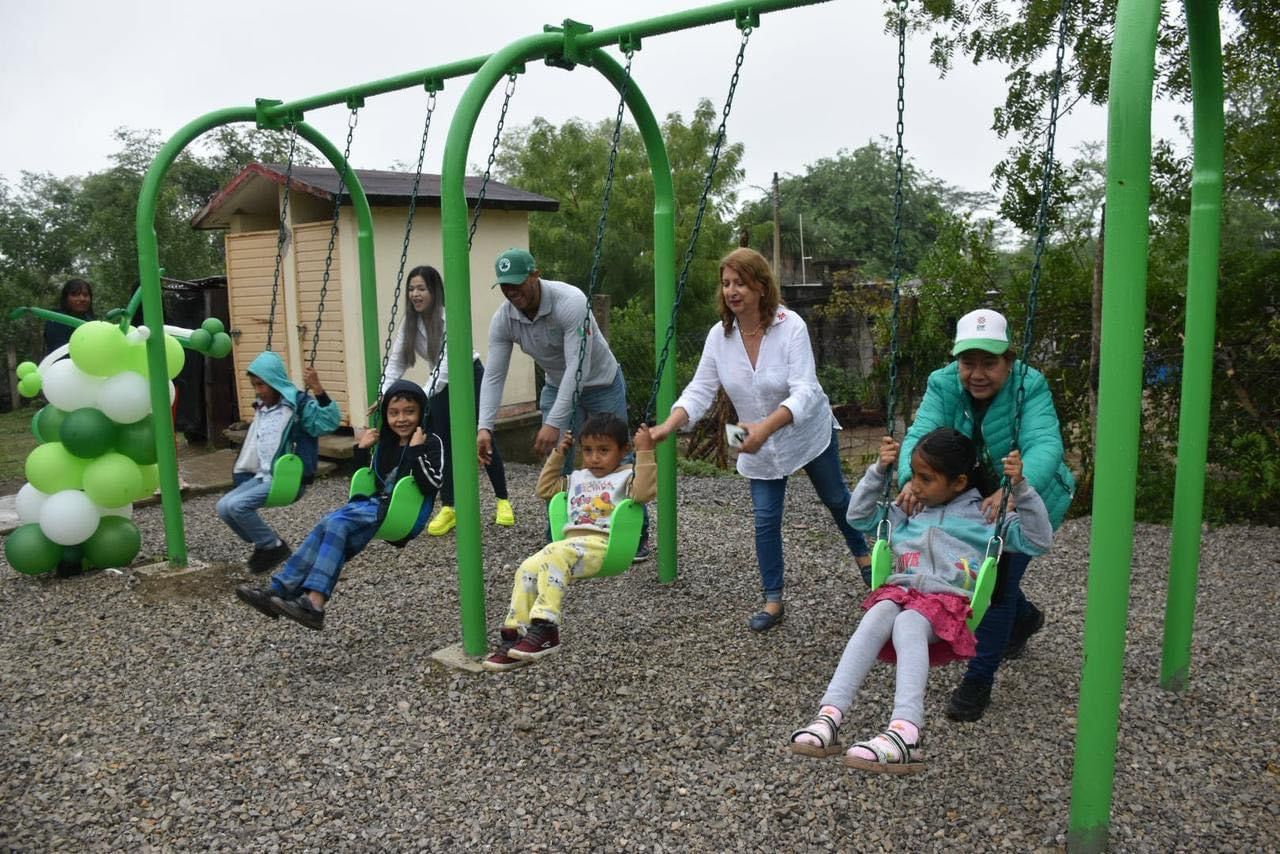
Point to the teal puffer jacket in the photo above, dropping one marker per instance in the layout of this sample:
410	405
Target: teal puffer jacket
947	404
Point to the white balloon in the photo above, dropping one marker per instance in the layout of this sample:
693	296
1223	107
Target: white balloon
139	333
125	397
69	388
29	502
173	392
69	517
125	512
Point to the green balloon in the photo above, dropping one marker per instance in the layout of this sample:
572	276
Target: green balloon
200	341
47	423
25	368
112	480
150	483
137	441
30	552
213	326
221	347
175	357
88	433
115	543
52	468
30	385
98	348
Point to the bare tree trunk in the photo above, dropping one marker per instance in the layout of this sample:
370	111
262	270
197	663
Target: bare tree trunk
600	305
1095	331
707	440
11	361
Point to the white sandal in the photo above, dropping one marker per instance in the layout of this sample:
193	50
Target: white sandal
893	755
825	729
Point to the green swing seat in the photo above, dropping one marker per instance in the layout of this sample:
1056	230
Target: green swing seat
286	481
882	567
624	531
403	509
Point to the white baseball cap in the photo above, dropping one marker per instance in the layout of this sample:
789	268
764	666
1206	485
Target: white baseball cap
983	329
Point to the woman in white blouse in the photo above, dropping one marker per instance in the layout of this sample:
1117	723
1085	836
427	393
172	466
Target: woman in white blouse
760	354
421	334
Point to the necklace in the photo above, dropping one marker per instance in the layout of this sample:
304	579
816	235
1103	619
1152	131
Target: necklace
753	333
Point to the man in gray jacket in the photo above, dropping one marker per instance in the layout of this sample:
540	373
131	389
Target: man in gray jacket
544	318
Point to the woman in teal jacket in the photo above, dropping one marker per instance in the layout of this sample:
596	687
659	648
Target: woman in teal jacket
977	394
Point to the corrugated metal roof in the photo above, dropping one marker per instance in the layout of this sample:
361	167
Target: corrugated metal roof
384	188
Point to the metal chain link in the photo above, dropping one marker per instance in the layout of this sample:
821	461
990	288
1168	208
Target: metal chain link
352	119
404	248
891	402
647	416
1042	227
282	234
594	277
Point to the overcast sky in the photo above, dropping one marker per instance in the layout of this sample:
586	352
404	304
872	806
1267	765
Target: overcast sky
815	80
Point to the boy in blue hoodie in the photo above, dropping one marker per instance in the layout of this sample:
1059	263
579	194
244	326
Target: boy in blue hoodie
400	448
283	416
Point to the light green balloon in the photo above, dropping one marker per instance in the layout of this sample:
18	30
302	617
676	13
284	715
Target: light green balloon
150	482
175	357
30	385
99	348
25	368
112	480
52	468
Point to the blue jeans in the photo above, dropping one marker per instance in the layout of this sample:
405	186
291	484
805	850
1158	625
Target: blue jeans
239	509
604	398
993	632
768	498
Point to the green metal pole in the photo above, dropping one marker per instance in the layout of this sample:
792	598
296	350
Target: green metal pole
1124	289
1205	54
153	310
664	288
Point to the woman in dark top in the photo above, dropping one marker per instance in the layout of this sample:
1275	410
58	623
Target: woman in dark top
76	300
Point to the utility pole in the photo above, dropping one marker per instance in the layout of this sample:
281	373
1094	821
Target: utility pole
777	228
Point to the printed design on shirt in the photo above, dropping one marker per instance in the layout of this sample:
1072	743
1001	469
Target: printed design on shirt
908	562
970	575
591	503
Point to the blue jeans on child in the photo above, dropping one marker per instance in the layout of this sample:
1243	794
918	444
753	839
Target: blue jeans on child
768	498
997	624
605	398
239	509
336	538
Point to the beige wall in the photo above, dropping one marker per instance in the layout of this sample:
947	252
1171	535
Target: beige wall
498	230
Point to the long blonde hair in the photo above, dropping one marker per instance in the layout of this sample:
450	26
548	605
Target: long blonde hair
758	275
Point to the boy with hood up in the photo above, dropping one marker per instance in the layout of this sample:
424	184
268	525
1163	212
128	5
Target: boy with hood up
400	448
285	420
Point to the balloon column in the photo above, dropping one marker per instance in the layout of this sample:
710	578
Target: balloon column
97	451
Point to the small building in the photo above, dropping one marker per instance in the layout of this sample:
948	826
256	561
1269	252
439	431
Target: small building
248	208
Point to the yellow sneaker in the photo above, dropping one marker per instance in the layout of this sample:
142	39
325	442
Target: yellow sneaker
444	521
506	517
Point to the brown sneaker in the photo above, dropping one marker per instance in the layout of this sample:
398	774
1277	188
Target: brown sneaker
499	661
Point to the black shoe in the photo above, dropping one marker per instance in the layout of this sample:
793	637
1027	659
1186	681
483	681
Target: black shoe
643	552
1023	629
762	620
260	598
300	610
969	701
265	560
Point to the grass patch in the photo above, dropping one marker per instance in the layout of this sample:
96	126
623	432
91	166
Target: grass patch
700	468
16	441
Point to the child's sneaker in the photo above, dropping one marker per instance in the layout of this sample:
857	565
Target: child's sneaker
300	610
505	516
265	560
259	598
542	639
499	661
443	523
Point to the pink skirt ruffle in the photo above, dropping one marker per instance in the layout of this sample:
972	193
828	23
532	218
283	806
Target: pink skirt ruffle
947	614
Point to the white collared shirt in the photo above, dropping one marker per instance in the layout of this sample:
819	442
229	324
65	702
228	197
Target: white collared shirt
398	359
784	375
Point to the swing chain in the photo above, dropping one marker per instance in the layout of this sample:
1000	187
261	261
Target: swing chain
1042	227
404	248
282	234
352	119
594	277
896	273
649	413
493	156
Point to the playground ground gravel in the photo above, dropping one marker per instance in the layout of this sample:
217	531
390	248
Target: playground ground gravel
136	718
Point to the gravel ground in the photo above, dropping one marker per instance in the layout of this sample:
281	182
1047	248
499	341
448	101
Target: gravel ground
174	720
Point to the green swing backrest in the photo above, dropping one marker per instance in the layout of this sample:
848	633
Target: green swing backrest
624	531
882	567
286	481
402	510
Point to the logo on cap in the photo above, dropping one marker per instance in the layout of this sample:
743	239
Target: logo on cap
982	323
504	264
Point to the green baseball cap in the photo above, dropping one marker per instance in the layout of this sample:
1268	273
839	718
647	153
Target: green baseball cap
513	267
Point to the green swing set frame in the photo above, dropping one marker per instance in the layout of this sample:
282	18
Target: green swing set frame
1129	151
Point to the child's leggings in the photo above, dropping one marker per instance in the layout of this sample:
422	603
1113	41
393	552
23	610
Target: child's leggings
336	538
911	634
542	578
